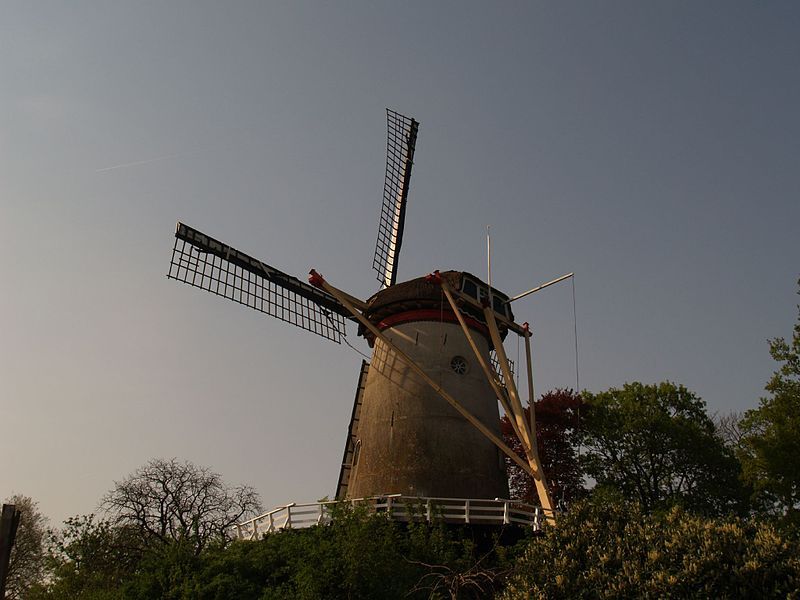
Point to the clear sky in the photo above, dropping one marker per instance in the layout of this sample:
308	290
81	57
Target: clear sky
651	148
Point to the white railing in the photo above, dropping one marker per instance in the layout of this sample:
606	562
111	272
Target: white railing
399	508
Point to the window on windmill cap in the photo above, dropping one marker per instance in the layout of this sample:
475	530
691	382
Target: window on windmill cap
500	305
470	288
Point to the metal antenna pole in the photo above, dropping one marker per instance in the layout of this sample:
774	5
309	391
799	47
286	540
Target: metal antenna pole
541	287
489	255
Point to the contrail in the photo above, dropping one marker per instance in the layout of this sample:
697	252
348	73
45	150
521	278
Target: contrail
149	160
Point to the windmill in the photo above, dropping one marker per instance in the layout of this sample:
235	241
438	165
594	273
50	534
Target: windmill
425	420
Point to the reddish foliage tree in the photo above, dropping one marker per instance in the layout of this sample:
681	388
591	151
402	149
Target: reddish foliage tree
558	416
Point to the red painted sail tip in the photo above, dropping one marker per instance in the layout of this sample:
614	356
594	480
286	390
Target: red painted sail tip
315	278
434	277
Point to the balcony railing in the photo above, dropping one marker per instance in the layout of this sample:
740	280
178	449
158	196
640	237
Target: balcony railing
399	508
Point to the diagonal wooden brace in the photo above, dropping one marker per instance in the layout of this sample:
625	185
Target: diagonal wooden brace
487	371
508	376
539	479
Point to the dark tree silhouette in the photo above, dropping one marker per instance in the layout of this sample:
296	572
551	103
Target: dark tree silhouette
27	566
168	500
771	433
558	437
657	445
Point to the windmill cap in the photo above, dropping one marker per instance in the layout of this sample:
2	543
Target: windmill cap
422	300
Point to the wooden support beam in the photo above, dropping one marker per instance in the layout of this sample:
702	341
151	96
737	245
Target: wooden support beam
533	454
359	304
475	304
516	403
531	394
487	370
517	418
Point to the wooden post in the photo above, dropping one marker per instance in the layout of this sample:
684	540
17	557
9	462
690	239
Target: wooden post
288	523
531	395
531	450
9	521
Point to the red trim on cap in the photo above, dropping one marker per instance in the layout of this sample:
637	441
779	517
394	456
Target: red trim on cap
430	314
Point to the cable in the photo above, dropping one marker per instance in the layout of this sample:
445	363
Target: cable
575	326
343	334
344	339
577	371
516	367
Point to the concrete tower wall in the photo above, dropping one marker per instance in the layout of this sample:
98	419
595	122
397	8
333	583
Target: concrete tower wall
410	440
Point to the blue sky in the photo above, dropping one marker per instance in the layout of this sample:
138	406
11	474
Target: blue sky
651	148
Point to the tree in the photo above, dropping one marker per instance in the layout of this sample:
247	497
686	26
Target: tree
170	501
656	444
557	438
358	555
729	429
771	442
28	556
602	550
90	558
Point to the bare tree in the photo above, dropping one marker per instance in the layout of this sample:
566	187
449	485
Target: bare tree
169	500
475	582
728	429
27	565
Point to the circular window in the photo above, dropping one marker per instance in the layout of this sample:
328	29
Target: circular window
459	365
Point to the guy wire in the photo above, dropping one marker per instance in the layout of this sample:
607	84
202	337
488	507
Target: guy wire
343	335
577	372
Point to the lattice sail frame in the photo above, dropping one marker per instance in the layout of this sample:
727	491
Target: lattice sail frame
400	145
206	263
495	362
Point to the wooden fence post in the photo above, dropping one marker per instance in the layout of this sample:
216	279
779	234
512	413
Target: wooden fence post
8	531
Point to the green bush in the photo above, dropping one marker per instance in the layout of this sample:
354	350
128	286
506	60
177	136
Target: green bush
617	551
358	555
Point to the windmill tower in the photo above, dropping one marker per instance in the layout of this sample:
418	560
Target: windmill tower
425	420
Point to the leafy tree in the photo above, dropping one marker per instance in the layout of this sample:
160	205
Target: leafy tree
602	550
557	437
170	501
28	555
358	556
90	558
656	444
771	440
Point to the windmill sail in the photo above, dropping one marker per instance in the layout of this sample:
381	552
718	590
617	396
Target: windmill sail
495	362
204	262
351	445
399	159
